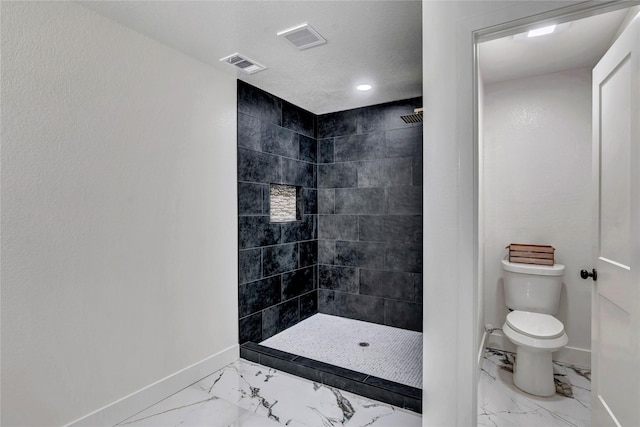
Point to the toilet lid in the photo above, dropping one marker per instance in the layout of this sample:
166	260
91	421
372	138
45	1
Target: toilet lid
535	325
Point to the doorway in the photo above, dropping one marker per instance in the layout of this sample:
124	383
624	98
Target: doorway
534	186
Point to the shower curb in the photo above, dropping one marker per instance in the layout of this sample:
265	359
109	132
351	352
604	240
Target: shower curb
396	394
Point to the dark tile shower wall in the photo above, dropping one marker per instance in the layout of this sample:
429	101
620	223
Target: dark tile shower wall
370	215
357	252
277	261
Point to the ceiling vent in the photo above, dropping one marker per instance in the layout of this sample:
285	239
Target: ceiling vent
303	36
243	63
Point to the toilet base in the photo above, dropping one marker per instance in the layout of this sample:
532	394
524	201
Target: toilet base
533	372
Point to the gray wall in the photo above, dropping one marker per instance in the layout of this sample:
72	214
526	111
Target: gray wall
370	215
362	197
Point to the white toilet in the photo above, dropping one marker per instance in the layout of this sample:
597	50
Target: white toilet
533	293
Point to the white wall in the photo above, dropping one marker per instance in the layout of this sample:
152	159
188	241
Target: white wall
481	335
537	189
118	212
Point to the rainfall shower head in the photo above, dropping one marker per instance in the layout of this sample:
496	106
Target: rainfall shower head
416	117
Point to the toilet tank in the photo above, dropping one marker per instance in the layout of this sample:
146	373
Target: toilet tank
530	287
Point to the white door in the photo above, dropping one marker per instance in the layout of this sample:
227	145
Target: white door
616	294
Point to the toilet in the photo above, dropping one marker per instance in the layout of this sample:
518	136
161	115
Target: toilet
532	292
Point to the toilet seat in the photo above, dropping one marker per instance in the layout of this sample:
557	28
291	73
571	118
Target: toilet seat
535	325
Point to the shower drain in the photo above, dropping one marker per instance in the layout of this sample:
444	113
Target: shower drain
363	344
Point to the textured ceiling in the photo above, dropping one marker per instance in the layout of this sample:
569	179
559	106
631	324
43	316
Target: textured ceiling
377	42
582	44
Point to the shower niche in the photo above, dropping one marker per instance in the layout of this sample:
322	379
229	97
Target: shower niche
330	224
285	203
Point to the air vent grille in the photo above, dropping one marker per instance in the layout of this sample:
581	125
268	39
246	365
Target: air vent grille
243	63
303	36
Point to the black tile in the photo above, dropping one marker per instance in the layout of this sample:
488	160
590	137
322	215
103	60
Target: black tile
249	198
362	389
372	146
298	120
249	265
359	147
278	259
279	317
249	132
258	103
258	295
338	124
325	150
404	228
417	171
404	200
337	278
308	253
346	148
308	304
359	200
390	228
412	404
250	355
403	142
385	173
258	167
394	387
387	284
417	283
305	229
331	369
326	302
266	203
310	199
388	116
337	175
403	257
296	172
297	282
281	142
273	352
359	307
291	367
360	254
326	251
255	231
371	228
308	149
402	314
338	227
250	328
327	201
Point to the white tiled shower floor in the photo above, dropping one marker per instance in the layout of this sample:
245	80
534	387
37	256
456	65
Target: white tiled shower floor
393	354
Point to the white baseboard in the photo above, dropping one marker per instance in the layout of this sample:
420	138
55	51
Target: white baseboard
129	405
570	355
482	346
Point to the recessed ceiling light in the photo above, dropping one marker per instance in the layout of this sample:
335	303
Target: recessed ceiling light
542	31
364	87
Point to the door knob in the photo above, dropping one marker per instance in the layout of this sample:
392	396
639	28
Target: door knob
585	274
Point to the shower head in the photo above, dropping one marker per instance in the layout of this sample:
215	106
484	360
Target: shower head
416	117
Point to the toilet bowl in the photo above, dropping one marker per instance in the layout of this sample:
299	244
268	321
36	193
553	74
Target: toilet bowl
536	336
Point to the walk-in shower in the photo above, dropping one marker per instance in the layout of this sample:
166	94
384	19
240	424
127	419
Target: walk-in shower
336	248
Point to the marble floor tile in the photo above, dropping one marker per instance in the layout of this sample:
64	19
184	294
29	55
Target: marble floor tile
501	403
247	394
